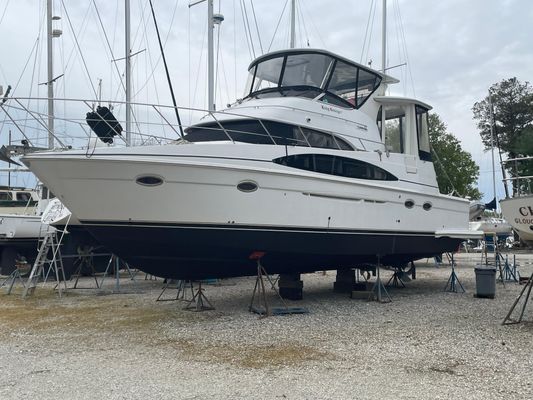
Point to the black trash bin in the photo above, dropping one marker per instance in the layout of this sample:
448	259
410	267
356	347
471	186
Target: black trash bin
485	282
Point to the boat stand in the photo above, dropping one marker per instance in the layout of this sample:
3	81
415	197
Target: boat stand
199	301
378	292
115	262
453	284
12	278
509	272
396	279
525	299
263	308
85	259
181	287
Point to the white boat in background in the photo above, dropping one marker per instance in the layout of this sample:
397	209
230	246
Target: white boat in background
492	225
20	233
518	210
17	200
316	168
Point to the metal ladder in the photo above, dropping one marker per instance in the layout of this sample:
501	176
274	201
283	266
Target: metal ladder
48	242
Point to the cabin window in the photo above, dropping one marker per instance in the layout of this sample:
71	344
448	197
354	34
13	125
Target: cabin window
268	74
306	70
149	180
310	74
23	196
5	196
343	83
367	82
335	165
265	132
422	129
394	128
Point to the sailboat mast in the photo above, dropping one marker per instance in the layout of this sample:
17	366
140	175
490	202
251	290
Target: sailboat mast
492	150
293	23
128	72
211	57
49	44
384	37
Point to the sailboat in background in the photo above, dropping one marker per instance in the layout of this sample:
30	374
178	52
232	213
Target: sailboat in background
518	209
491	224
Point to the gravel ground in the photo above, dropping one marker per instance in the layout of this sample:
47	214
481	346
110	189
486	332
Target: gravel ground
426	344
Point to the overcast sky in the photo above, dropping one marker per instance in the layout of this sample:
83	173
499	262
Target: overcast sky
455	49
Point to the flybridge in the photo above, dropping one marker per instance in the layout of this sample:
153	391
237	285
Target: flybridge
316	74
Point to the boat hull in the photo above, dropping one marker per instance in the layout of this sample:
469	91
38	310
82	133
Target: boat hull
197	222
519	212
197	252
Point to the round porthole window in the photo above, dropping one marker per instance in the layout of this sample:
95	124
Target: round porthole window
149	180
247	186
409	203
427	206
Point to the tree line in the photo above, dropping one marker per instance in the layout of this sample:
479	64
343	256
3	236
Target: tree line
508	109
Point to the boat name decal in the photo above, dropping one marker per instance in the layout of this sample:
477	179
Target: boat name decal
526	211
527	221
329	108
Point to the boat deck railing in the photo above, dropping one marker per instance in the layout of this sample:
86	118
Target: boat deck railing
521	178
27	118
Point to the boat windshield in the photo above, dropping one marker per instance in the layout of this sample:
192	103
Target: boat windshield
312	75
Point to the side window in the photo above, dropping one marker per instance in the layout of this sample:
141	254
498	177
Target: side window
23	196
265	132
267	74
394	128
366	84
422	130
5	196
334	165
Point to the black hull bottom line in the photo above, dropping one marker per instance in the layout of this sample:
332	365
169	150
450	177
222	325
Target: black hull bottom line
197	252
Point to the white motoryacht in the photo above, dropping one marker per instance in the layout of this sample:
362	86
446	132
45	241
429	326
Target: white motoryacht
518	210
315	168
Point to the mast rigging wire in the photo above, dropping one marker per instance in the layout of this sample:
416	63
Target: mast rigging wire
249	39
257	27
166	70
406	53
368	31
277	25
108	45
79	49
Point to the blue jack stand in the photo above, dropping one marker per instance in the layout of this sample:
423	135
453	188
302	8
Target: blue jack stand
453	284
509	272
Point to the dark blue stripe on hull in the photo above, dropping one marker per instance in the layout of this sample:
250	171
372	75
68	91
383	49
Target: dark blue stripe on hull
187	252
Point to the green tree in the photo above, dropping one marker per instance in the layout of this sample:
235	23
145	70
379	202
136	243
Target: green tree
512	102
454	167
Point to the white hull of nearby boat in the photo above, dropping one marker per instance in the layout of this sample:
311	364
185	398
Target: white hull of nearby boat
18	210
21	228
498	226
199	192
519	212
